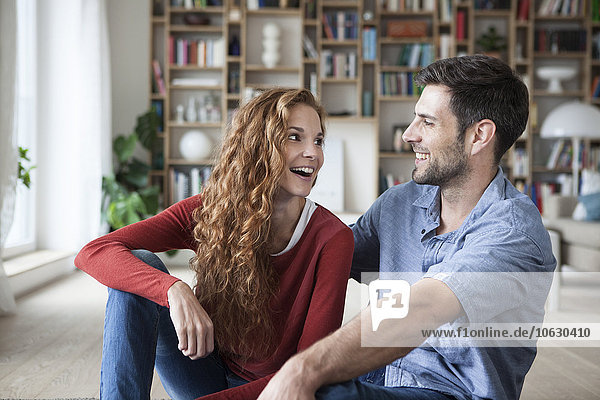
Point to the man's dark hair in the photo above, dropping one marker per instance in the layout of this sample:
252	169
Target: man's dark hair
482	87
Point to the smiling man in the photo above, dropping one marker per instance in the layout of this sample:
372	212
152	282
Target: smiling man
465	232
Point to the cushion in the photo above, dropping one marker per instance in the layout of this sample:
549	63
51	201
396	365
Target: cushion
591	204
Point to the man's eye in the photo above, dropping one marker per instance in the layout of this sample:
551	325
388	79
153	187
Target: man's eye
427	123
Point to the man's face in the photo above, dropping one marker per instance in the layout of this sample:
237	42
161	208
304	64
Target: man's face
441	158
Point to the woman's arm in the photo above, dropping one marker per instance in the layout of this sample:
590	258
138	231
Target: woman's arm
109	260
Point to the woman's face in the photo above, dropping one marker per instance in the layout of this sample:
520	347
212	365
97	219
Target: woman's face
303	152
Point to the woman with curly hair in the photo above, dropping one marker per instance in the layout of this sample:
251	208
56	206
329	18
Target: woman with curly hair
270	266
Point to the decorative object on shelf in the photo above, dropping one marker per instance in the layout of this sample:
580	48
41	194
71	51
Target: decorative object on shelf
491	42
195	19
234	46
190	114
573	120
555	74
195	145
270	55
399	145
179	110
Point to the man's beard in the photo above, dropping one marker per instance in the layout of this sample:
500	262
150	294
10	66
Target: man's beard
452	172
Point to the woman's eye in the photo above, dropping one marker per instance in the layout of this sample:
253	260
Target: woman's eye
319	142
294	136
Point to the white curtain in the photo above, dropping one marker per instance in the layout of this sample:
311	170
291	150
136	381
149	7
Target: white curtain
73	119
8	151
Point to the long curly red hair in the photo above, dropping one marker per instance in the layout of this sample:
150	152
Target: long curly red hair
234	277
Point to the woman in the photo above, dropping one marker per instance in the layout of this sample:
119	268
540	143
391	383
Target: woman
271	266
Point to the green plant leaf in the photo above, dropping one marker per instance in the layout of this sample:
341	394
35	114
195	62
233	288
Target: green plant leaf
149	196
146	127
124	147
135	174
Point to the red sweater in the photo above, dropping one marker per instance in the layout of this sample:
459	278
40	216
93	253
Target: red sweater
313	278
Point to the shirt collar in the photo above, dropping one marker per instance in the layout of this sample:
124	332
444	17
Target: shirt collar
430	197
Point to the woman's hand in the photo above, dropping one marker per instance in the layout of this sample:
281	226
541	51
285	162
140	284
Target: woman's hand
193	325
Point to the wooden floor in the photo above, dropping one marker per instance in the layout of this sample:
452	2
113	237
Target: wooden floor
52	347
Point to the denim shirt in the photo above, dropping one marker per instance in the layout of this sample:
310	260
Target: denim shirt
503	233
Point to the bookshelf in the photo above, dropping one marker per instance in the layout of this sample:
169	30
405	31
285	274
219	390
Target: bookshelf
358	56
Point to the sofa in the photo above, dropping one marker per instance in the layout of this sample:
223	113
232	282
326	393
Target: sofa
579	240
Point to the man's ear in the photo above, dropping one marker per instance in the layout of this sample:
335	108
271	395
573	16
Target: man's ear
482	138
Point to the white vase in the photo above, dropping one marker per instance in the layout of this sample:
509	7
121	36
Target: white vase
195	145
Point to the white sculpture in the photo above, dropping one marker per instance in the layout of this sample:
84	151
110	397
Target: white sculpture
270	55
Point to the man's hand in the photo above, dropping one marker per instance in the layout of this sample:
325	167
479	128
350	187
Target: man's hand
292	382
193	325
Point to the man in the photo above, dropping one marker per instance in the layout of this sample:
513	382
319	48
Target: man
458	224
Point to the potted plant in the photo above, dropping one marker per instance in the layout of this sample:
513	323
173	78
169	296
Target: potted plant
127	196
492	43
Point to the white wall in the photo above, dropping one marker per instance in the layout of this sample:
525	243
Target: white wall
129	37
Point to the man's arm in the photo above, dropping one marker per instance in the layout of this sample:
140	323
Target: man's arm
340	356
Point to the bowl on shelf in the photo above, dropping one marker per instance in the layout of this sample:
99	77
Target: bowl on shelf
554	75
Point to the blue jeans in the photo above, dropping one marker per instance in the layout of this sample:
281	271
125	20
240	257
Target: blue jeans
139	336
370	387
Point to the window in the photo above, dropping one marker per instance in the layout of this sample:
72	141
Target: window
21	237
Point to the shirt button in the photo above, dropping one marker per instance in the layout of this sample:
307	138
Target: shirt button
422	231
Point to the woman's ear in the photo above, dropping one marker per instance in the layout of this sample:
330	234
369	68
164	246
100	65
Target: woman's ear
484	132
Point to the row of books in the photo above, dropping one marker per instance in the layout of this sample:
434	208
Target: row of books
560	40
520	162
186	183
541	191
369	43
201	52
408	5
445	11
595	89
191	4
338	64
340	25
416	54
565	8
561	156
398	84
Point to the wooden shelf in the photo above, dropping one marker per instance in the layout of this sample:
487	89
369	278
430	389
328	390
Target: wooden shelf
254	75
403	40
398	98
274	11
339	80
195	28
262	68
336	42
393	155
175	67
184	162
207	10
565	93
195	87
175	124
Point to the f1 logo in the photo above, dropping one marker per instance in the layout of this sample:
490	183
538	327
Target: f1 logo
389	300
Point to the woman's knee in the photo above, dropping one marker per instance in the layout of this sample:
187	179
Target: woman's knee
151	259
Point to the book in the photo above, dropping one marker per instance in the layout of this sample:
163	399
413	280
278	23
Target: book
523	11
460	24
309	47
158	77
327	27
